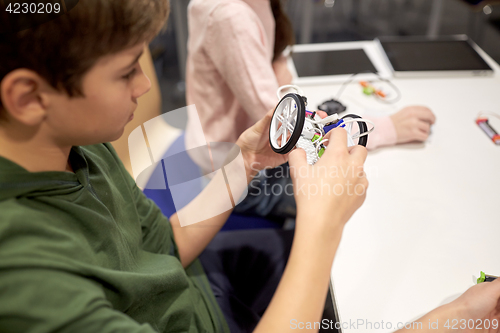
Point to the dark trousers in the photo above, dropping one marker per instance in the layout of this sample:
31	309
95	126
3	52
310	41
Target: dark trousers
270	195
244	269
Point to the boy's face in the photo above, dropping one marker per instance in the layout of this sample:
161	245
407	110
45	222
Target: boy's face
110	89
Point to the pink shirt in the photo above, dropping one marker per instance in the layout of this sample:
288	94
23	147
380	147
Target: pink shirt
229	74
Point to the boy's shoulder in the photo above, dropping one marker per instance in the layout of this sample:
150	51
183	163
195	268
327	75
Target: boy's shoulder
32	199
30	237
47	217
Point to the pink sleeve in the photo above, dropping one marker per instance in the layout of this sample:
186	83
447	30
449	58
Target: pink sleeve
236	43
384	133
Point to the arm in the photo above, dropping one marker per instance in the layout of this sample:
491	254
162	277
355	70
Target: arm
320	220
316	237
479	303
281	71
410	124
191	240
321	216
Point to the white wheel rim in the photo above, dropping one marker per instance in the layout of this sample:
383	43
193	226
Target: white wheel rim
349	127
283	122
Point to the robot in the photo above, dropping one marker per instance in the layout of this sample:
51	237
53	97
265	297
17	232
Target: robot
293	126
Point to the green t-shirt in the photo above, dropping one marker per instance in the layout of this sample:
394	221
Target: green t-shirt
88	252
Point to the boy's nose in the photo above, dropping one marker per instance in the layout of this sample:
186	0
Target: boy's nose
143	85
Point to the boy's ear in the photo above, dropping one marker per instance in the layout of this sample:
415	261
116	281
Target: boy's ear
23	96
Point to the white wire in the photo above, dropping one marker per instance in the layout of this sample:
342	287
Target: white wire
325	120
345	121
319	138
312	155
488	114
355	120
289	86
318	146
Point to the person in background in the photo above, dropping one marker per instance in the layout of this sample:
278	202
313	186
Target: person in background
234	67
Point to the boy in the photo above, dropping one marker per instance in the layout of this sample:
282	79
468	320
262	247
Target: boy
81	248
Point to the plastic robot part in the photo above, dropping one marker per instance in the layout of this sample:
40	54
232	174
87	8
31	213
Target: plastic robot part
486	278
294	89
292	126
332	106
310	150
369	89
484	124
286	124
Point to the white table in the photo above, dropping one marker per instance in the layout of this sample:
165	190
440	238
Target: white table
431	219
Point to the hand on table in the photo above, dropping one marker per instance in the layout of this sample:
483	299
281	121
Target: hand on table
413	123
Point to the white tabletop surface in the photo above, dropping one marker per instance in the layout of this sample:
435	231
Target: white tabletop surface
431	219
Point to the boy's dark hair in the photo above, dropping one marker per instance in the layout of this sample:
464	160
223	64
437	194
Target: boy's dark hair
62	50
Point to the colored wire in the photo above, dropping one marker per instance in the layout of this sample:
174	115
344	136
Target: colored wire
393	86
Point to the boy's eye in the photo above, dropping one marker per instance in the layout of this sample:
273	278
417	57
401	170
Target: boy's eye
129	75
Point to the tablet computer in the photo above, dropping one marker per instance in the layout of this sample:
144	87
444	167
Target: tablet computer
332	62
336	62
445	56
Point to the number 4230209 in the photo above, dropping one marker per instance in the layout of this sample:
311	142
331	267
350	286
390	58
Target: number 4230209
455	324
33	8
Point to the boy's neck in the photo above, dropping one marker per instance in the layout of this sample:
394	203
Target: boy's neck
33	152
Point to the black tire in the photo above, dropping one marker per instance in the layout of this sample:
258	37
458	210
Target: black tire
297	131
362	141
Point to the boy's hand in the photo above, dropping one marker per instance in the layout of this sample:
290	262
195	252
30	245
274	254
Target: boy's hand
479	303
478	307
256	149
332	189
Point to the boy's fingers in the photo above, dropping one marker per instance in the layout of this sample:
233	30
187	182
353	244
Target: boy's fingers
297	158
328	136
264	123
322	114
337	142
359	153
270	113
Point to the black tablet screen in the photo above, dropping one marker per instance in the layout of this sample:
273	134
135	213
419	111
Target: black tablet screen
341	62
433	56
